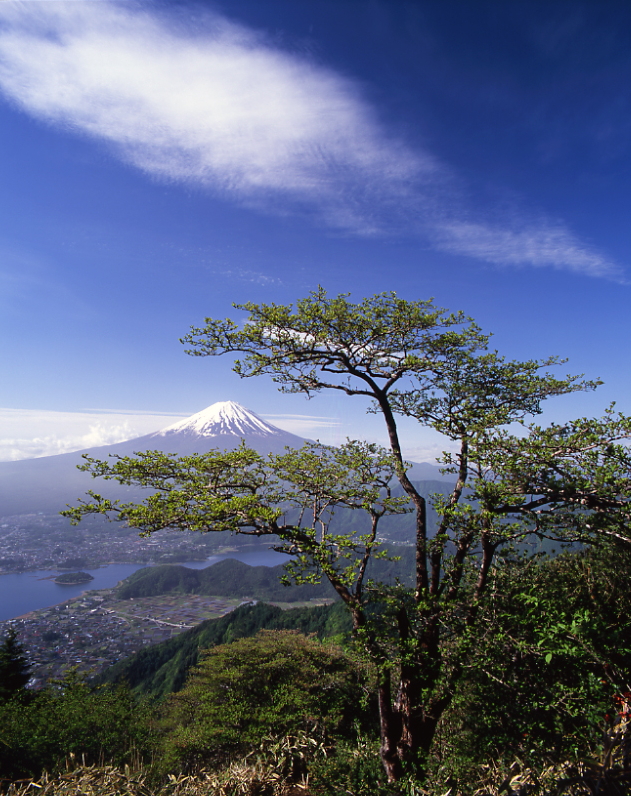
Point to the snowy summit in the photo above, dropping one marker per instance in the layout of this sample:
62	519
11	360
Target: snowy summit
44	484
223	417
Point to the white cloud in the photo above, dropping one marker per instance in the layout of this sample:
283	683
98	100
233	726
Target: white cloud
326	429
224	108
537	246
32	433
430	452
98	434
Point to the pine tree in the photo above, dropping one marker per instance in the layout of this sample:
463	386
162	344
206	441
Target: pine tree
14	668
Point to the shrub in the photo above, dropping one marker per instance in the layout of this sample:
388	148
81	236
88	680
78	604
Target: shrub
276	683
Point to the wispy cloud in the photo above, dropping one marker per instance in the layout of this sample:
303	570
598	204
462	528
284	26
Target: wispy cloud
424	445
229	110
144	413
247	275
544	245
30	433
224	109
326	429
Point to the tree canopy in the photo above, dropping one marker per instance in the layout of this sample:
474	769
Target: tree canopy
275	683
513	481
14	667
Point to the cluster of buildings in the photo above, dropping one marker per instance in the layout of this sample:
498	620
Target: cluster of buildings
44	541
96	630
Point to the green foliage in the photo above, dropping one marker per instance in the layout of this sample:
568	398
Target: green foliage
353	768
14	668
383	336
432	365
543	684
163	668
70	718
229	578
241	491
540	693
404	358
566	481
74	577
277	682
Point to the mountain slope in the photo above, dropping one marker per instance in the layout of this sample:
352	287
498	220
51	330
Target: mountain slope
220	419
227	578
162	668
49	483
223	425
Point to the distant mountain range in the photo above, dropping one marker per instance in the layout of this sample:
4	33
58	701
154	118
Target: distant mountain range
49	483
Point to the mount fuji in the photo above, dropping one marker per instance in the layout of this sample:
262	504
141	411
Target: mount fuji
222	425
48	483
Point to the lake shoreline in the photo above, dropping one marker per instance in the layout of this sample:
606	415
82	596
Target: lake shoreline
223	552
23	592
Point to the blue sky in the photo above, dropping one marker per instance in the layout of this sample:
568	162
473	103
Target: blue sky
162	160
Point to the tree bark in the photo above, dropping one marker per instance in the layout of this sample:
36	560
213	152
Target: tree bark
390	730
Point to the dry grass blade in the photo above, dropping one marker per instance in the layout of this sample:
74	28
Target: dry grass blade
240	779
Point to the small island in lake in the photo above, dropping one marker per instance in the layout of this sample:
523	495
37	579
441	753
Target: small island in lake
72	578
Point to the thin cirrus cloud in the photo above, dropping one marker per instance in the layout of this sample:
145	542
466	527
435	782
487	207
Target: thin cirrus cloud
230	111
545	245
324	428
31	433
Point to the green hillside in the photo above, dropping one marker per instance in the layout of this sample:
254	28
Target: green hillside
162	668
232	578
227	578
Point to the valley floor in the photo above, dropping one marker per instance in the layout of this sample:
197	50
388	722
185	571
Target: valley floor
95	630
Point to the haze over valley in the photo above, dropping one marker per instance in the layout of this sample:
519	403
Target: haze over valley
33	491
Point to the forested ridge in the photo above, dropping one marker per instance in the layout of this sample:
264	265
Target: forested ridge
227	578
233	578
545	691
163	668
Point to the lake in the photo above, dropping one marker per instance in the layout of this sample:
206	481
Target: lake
23	592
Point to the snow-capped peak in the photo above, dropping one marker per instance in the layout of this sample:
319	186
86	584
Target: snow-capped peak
224	417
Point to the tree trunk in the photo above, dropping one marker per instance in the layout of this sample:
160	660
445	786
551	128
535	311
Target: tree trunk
390	730
409	722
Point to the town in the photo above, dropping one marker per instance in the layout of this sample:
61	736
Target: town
48	541
95	630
